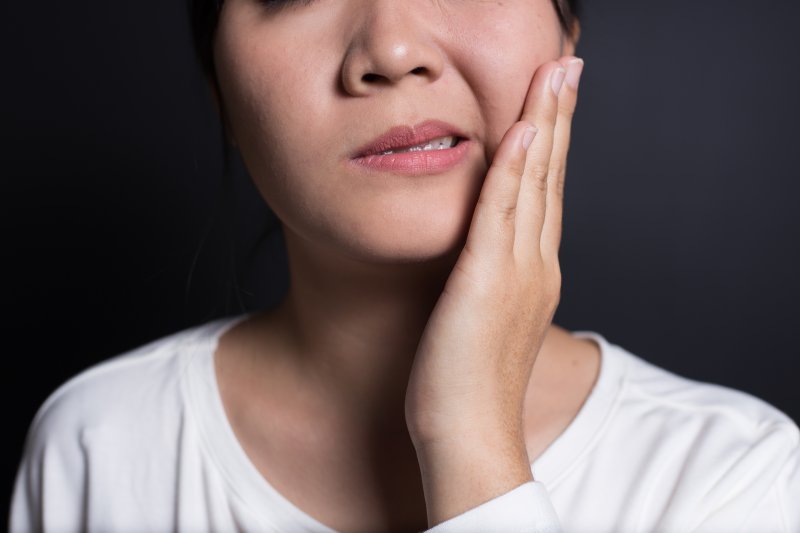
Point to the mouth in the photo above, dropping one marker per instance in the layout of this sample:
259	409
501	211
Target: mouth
431	135
431	147
440	143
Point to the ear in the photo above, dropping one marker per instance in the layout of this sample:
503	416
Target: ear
570	39
218	107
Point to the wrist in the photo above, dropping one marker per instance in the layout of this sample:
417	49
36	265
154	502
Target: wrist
461	473
477	427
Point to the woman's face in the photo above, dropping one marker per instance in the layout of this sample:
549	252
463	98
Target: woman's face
305	84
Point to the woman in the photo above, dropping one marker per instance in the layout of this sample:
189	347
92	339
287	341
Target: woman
411	379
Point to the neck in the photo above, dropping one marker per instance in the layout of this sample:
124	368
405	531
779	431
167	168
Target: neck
355	327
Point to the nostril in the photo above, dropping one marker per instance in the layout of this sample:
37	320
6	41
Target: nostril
371	77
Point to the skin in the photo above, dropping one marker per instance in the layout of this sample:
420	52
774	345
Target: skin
401	363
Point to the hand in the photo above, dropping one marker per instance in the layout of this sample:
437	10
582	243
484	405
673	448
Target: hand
470	375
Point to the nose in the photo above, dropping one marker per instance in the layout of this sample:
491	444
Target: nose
390	44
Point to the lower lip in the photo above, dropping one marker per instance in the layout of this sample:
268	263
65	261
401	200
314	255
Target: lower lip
416	163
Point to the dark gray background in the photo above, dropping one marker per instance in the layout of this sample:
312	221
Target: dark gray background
681	229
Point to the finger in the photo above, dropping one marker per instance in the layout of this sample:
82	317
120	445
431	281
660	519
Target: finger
567	100
492	226
540	110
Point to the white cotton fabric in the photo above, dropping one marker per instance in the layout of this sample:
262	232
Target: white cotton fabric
141	443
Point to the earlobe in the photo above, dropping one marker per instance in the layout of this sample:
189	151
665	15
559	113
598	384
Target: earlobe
569	41
574	36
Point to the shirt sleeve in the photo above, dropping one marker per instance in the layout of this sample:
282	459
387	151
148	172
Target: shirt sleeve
50	484
526	508
778	511
761	489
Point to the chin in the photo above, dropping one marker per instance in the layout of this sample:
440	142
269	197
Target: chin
391	225
412	252
412	241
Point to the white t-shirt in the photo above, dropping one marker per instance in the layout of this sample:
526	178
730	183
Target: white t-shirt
141	442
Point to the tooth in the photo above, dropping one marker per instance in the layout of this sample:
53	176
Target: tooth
441	143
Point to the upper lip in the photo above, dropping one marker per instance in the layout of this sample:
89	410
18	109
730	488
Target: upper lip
406	136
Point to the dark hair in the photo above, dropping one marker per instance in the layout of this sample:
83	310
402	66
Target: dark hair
568	14
204	15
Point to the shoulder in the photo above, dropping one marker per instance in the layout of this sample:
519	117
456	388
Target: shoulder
730	429
687	454
725	453
652	408
649	387
121	393
117	427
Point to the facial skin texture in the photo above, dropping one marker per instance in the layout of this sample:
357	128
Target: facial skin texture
298	104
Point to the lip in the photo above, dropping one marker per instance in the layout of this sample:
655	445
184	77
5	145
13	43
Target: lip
417	162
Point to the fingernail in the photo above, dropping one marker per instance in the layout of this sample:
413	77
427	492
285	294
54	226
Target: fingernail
574	70
558	80
528	136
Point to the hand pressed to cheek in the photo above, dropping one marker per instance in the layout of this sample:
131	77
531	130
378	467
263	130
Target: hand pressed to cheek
472	369
483	337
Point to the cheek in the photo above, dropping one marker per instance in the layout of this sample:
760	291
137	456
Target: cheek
278	129
500	56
